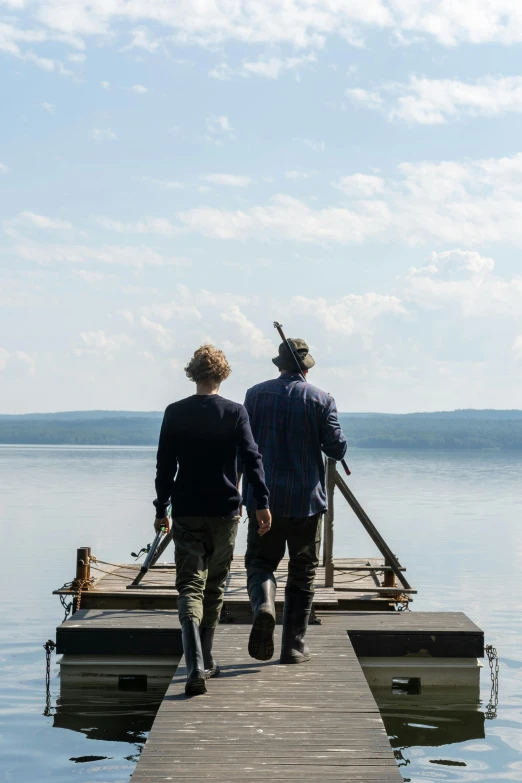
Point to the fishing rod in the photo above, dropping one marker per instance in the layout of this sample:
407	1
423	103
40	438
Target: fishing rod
300	369
152	551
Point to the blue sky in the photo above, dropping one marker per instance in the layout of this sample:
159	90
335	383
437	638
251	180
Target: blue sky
173	173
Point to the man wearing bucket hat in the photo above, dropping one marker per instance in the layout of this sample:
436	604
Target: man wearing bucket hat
294	425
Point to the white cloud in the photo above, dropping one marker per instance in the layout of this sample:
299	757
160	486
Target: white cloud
42	221
148	225
256	343
101	344
20	358
105	85
218	129
350	314
11	37
141	39
466	280
128	315
437	101
139	88
103	134
358	185
162	336
296	174
468	203
222	72
368	98
218	123
138	257
270	68
3	168
163	184
50	108
232	180
299	23
274	66
287	218
78	58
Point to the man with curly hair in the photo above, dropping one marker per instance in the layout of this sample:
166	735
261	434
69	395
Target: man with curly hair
295	424
196	472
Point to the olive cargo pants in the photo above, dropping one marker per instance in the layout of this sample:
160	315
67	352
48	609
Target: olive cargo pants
204	547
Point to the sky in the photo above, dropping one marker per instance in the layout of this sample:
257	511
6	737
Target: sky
174	172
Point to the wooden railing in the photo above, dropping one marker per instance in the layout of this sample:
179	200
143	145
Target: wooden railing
392	568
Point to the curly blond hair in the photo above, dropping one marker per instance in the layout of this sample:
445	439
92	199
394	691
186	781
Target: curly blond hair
208	364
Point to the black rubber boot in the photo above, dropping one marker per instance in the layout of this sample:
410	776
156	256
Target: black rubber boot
296	614
262	591
195	684
207	639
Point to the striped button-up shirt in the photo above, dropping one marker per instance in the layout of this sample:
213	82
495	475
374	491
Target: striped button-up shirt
294	424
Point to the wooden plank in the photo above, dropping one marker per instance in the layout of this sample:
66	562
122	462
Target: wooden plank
440	634
356	585
116	632
260	720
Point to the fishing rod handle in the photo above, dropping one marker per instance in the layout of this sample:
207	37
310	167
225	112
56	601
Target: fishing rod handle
346	468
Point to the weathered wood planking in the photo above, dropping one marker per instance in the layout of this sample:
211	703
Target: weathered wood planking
440	634
157	632
120	632
355	589
264	721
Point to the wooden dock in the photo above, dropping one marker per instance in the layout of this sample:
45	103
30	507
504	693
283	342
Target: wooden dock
379	634
358	585
262	721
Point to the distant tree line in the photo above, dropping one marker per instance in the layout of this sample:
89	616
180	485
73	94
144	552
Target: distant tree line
453	430
405	432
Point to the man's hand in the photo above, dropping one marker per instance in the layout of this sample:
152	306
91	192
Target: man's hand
264	517
159	523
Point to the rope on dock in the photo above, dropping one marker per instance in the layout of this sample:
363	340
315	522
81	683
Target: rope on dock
94	559
364	576
109	573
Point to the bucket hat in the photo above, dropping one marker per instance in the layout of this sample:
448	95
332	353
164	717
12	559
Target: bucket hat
284	360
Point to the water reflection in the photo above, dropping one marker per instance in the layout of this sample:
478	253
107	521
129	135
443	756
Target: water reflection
415	723
431	722
108	715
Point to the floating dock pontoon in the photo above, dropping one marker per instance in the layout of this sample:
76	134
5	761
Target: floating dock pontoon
260	720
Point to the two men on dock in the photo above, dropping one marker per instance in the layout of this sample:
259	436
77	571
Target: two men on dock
291	424
294	424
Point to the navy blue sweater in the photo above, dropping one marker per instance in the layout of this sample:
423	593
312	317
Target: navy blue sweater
196	465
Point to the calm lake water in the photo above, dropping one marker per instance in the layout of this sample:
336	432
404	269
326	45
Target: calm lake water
454	519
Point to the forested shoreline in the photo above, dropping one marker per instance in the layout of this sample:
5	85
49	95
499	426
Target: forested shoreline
450	430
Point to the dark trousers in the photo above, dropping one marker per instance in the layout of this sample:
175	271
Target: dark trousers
204	547
302	535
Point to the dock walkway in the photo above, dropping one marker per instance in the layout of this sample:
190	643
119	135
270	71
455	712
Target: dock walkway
357	586
259	721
